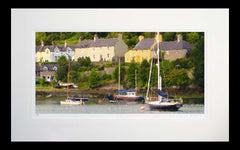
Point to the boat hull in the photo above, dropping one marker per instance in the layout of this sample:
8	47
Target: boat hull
128	98
165	107
71	102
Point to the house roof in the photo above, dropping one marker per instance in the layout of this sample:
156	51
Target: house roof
96	43
40	48
174	45
49	66
81	44
165	45
145	43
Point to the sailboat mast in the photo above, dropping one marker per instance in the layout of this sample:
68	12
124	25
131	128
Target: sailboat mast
68	77
159	77
149	78
119	75
136	79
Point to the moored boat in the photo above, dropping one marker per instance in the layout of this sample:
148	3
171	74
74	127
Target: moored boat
71	100
162	102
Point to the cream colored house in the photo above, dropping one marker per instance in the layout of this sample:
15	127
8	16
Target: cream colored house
101	49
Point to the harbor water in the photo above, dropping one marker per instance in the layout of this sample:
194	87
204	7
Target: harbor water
54	107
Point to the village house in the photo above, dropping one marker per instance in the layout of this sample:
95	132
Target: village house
51	53
101	49
46	71
146	47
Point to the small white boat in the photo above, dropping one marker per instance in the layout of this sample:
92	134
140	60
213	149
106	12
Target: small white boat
50	95
69	101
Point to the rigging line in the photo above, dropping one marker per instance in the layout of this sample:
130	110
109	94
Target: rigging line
163	73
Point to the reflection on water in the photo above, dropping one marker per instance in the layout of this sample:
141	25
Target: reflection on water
54	107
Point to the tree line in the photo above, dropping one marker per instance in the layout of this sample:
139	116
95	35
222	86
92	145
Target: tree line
174	73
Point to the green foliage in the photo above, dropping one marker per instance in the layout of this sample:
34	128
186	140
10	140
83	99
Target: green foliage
41	81
93	79
169	36
184	62
193	38
84	61
73	76
131	75
61	74
62	71
197	58
116	73
62	61
173	73
106	76
149	34
143	72
177	77
108	64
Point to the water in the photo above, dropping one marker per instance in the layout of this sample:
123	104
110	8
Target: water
54	107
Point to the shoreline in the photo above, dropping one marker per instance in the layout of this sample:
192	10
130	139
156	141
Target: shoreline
102	92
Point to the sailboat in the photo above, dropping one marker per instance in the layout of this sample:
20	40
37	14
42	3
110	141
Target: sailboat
70	100
125	95
162	102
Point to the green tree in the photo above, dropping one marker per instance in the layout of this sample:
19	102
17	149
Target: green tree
42	81
84	61
93	79
61	73
193	38
197	57
131	74
177	77
73	76
143	72
62	61
149	34
116	73
169	36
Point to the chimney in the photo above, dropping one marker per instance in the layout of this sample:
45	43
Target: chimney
80	39
119	36
179	38
65	45
42	43
95	37
141	37
160	37
53	43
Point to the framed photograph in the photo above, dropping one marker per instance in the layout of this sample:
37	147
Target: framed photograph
120	75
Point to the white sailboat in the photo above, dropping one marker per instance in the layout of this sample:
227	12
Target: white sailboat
70	100
162	102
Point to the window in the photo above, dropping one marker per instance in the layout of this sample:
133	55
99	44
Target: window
108	56
177	51
100	56
108	48
45	68
55	68
52	77
82	50
93	56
